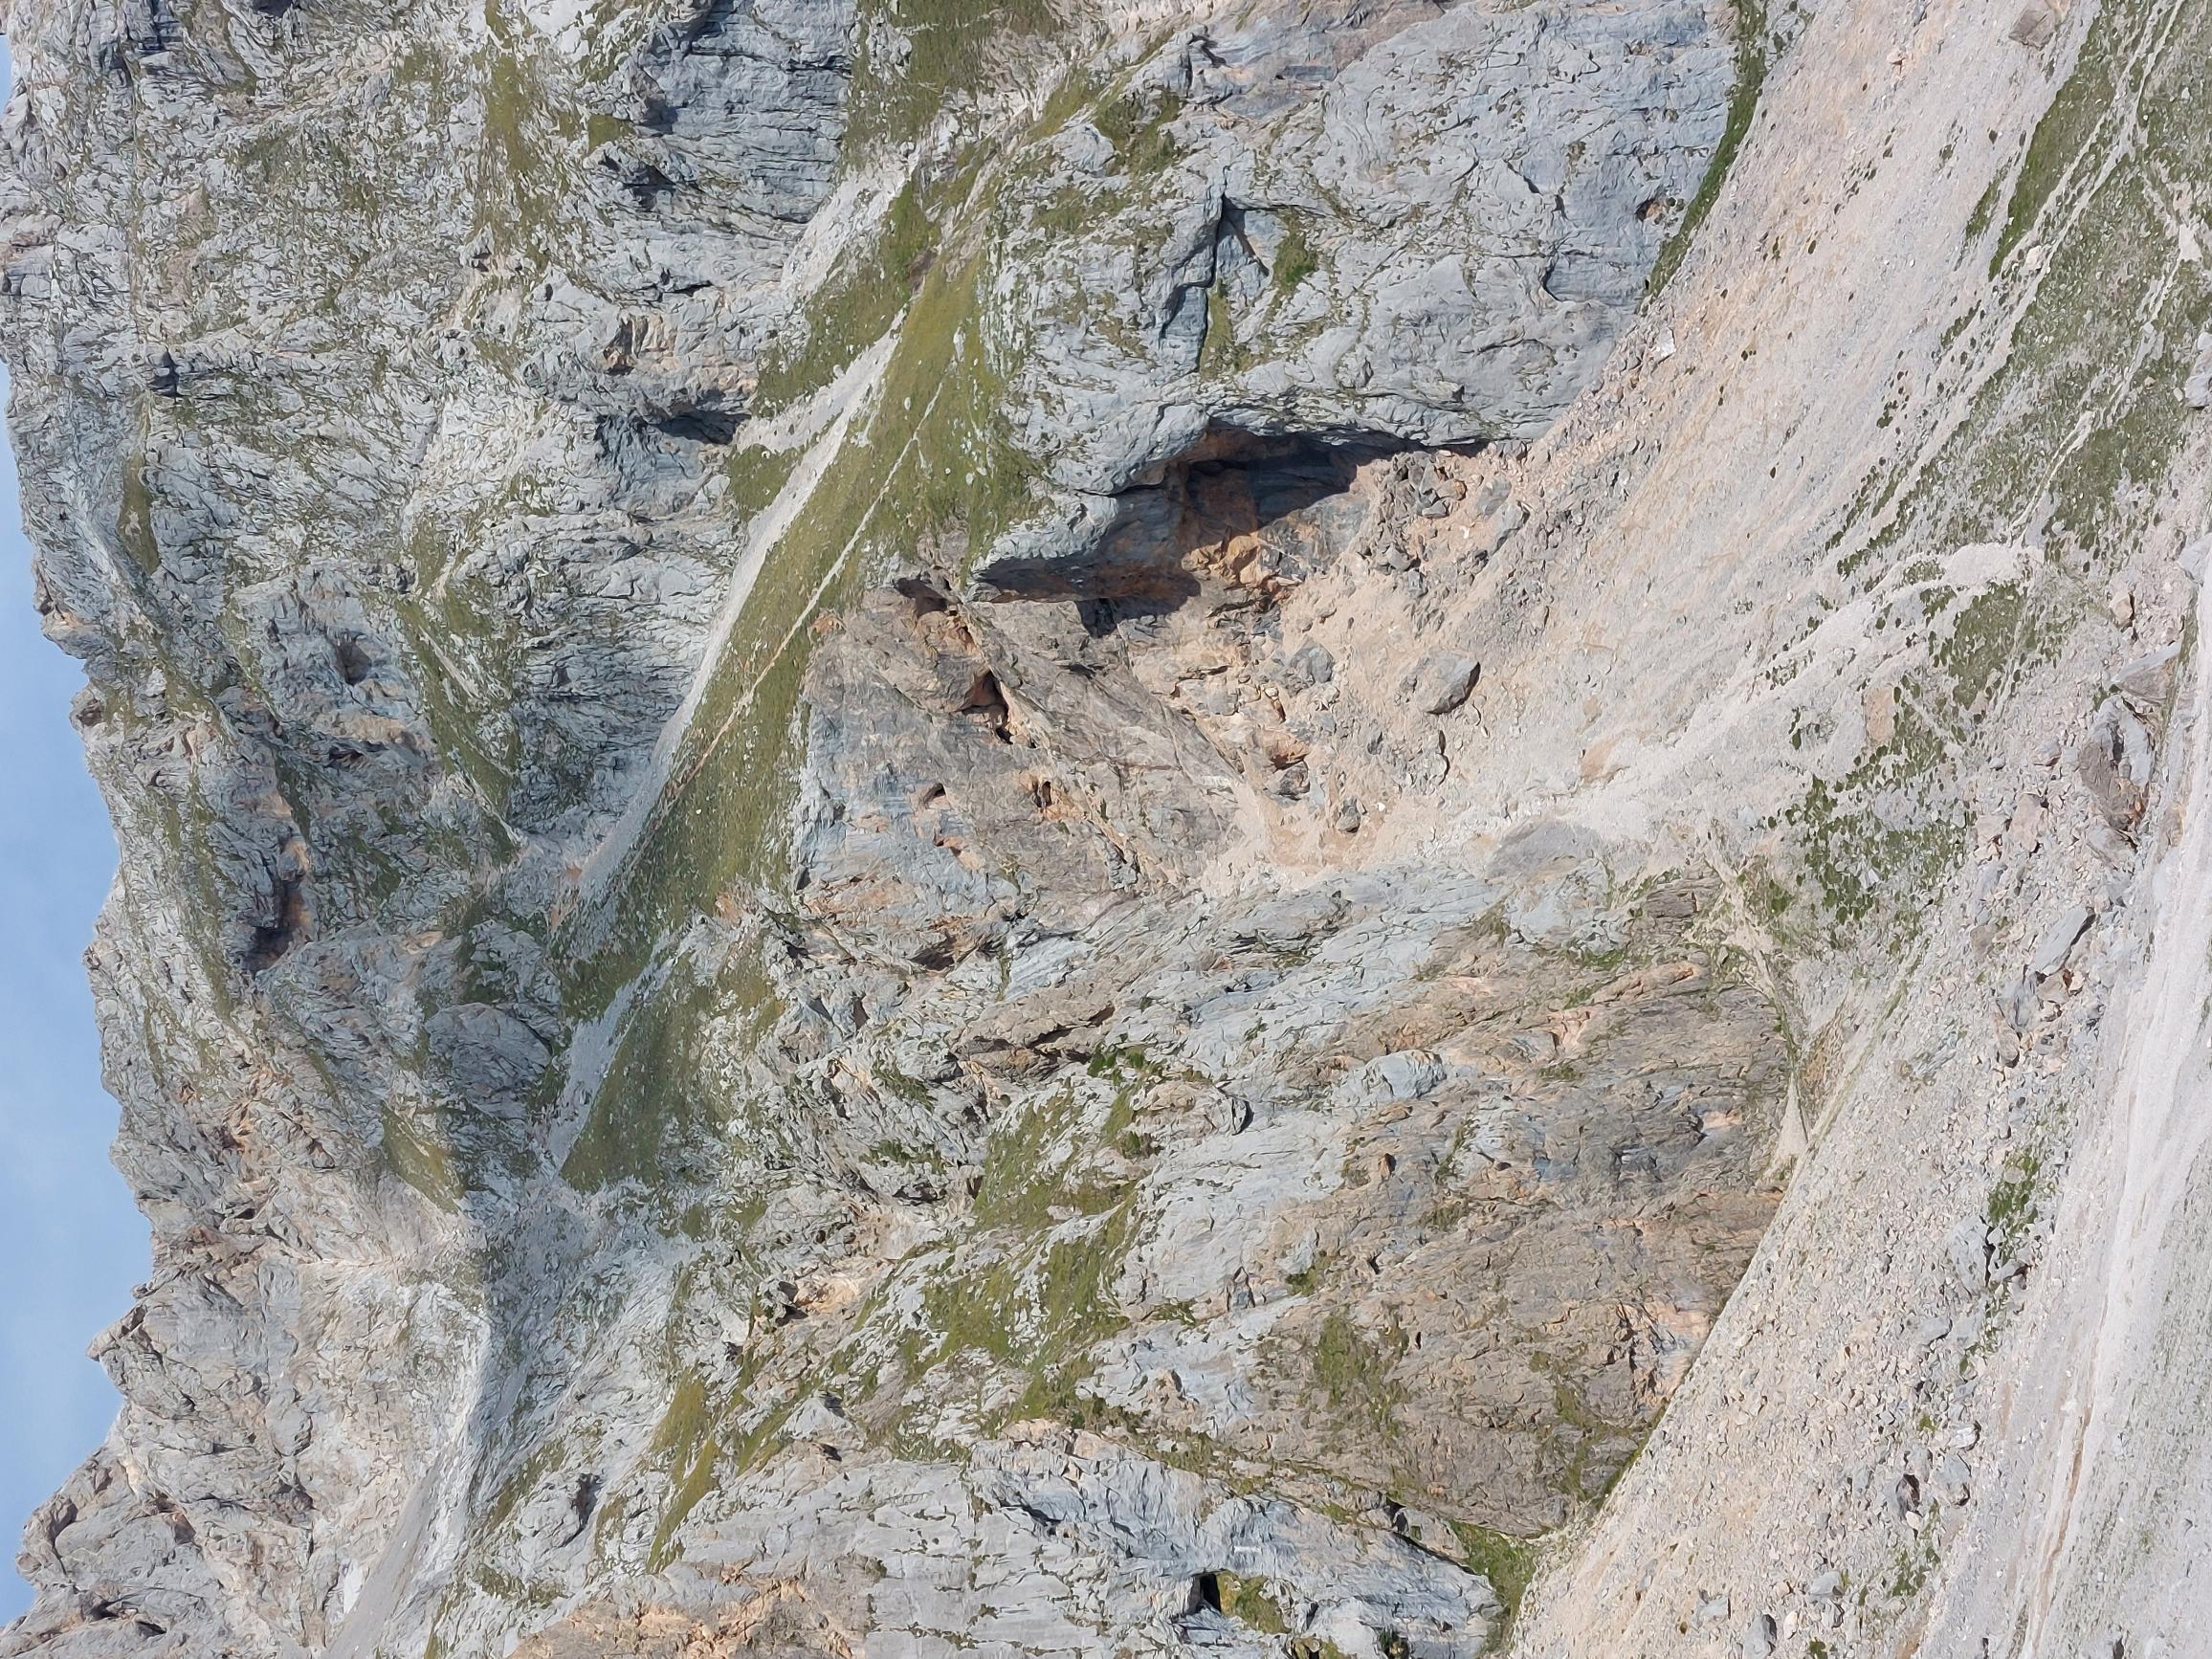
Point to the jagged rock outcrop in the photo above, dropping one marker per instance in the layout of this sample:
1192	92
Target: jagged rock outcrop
1116	828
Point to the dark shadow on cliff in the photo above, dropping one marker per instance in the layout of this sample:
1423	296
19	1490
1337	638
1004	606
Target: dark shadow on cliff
1176	537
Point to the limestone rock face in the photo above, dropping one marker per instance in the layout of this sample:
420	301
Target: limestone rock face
1105	826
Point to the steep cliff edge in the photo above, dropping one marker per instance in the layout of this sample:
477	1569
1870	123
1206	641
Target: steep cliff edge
1261	828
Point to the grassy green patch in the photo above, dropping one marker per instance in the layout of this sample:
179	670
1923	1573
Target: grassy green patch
686	1440
863	296
918	59
892	1080
1742	105
135	522
2067	136
1508	1563
1350	1369
1886	835
1294	257
1911	1565
1135	124
2012	1202
1250	1602
1220	354
423	1161
1029	1168
936	465
534	127
663	1087
1982	643
1984	209
2081	421
1036	1309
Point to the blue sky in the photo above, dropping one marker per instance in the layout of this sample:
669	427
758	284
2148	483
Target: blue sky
71	1244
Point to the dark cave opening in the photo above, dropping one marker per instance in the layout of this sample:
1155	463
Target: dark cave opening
1233	484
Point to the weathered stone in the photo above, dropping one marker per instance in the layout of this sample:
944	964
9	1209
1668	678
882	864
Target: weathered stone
1309	666
1441	683
2057	940
2197	391
1966	1246
2115	763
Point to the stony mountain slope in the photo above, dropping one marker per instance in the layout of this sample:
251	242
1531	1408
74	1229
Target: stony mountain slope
1079	827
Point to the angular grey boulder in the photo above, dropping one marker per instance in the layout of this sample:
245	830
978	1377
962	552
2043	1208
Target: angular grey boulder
1444	681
